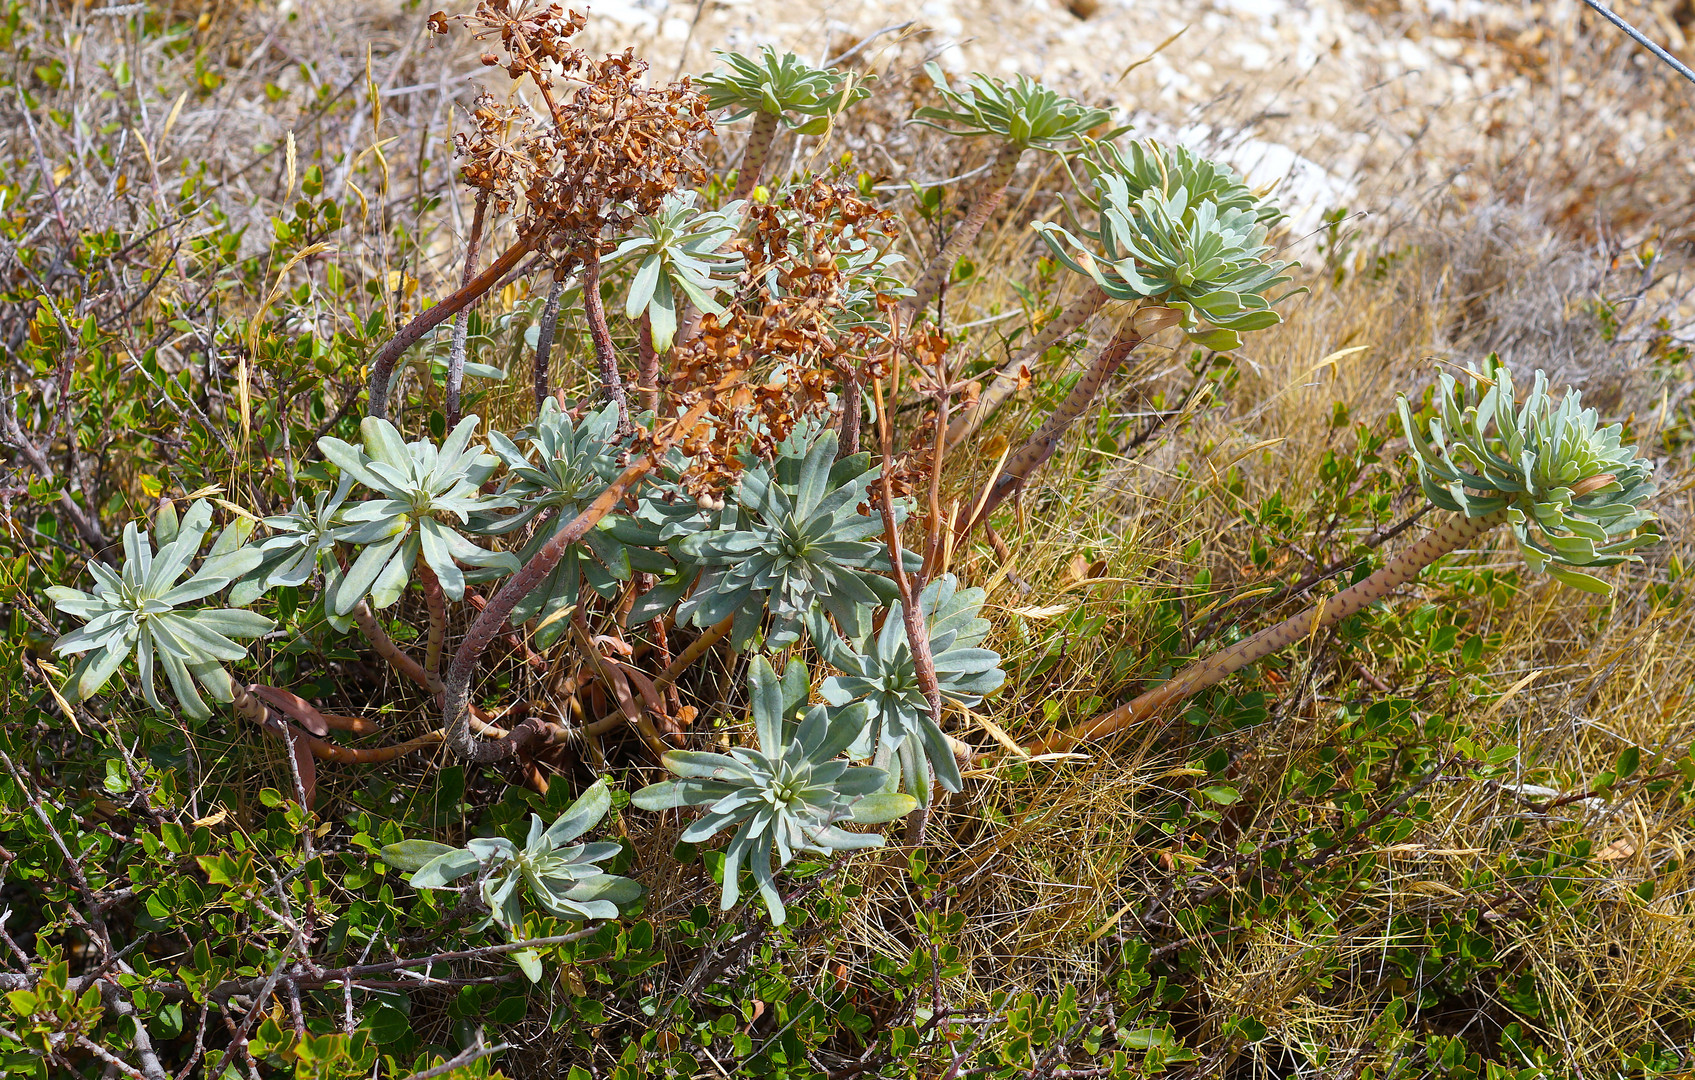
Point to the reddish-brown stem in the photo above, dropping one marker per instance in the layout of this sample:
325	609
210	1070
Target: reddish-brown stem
940	266
437	605
513	641
847	442
754	157
604	354
1043	444
456	353
697	648
912	615
647	367
1009	375
366	620
544	337
382	364
491	621
1406	565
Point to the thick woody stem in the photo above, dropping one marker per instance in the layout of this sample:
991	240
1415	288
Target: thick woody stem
753	158
647	366
1007	377
697	649
492	620
1045	442
912	616
366	620
847	441
1406	565
437	604
544	338
604	354
456	354
936	273
382	365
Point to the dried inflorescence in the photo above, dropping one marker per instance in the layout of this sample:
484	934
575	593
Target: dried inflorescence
499	150
787	322
614	148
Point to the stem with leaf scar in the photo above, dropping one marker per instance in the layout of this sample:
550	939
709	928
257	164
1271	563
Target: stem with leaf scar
491	620
1045	442
1007	376
436	602
605	355
936	272
544	337
382	364
754	157
1406	565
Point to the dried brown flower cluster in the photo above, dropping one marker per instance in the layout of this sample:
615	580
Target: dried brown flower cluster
787	324
614	149
499	150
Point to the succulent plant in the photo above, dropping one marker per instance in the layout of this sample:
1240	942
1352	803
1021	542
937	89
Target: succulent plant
881	673
784	86
795	538
1182	249
1145	165
301	542
1022	113
561	877
680	251
420	486
139	610
789	795
1571	492
564	467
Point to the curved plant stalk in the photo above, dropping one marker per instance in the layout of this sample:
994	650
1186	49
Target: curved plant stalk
647	366
912	615
491	621
1007	377
437	604
755	156
382	364
397	658
1406	565
941	264
1572	492
456	354
544	337
1043	444
604	354
697	648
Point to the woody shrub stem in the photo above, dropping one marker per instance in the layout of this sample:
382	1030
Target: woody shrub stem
753	158
1043	444
936	273
492	620
382	364
456	354
1451	535
604	354
1006	377
544	338
437	604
